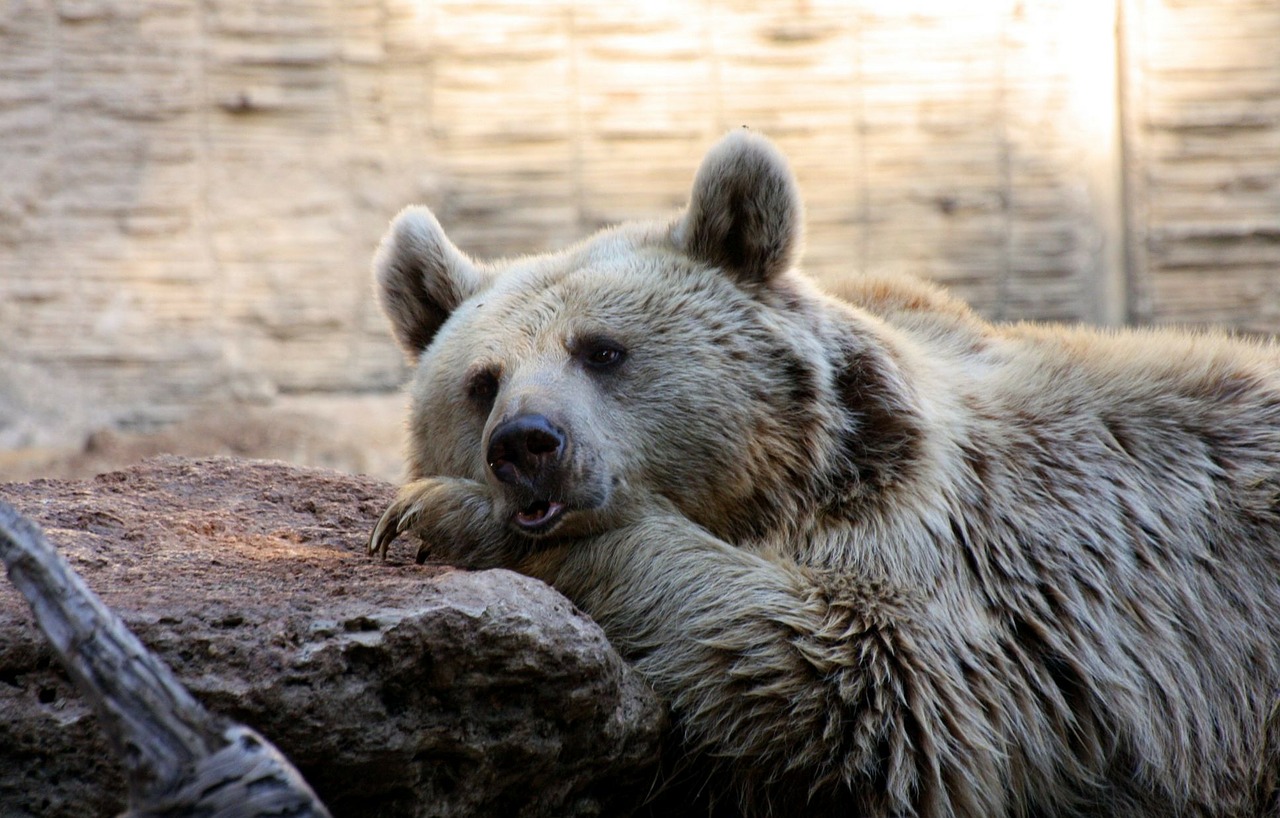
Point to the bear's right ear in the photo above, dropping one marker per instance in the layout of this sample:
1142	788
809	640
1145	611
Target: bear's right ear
421	277
744	214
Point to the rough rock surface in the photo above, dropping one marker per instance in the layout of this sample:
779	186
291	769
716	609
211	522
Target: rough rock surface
397	689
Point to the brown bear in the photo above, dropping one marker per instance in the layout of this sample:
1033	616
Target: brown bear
880	557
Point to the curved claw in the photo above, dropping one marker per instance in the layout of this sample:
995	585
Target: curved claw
433	508
385	532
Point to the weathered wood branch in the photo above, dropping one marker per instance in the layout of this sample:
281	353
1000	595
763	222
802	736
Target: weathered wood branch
180	759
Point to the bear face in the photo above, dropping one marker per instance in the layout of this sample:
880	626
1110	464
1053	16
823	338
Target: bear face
575	384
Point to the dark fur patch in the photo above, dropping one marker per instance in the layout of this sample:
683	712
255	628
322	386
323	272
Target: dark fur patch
979	464
1119	433
405	295
1067	693
975	565
882	440
802	380
736	250
789	439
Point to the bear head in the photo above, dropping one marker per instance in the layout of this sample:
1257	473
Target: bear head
680	360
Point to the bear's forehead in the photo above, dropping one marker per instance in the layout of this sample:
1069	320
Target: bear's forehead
632	291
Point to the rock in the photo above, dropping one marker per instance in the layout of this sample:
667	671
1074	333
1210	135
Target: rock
179	759
396	689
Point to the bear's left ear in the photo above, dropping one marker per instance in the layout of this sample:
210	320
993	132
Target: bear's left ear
420	278
744	213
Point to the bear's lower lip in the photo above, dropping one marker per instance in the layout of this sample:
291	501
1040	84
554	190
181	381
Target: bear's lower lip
539	515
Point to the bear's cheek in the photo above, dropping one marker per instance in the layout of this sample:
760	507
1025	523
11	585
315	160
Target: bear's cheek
609	456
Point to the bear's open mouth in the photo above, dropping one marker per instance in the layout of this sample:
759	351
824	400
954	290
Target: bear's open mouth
539	515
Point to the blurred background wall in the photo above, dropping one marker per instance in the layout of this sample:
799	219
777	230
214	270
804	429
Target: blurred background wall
190	191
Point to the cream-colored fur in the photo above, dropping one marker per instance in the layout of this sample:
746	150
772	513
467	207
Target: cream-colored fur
880	557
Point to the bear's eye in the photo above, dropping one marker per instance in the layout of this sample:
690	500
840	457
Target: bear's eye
482	387
603	354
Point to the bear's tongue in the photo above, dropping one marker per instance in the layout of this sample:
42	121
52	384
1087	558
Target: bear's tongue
538	513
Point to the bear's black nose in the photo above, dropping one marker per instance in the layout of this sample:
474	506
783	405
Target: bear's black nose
525	449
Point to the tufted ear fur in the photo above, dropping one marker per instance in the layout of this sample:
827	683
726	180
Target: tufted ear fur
744	213
421	277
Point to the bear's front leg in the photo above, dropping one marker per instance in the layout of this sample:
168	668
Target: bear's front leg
455	521
814	692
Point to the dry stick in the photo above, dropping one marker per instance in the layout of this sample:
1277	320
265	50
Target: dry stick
181	760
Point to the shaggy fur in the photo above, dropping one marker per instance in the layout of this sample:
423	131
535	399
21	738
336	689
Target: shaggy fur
881	558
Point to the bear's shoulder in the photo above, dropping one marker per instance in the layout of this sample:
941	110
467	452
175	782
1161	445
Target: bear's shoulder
907	302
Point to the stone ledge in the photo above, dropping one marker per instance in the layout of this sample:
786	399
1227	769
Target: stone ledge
397	689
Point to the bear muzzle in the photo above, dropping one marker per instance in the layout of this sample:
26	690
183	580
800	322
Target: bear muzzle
528	453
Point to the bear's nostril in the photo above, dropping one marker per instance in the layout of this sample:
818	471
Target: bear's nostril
539	442
497	455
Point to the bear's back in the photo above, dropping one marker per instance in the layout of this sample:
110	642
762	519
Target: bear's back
1107	508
